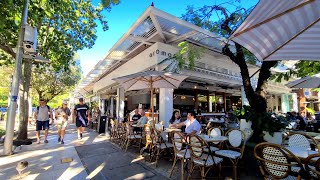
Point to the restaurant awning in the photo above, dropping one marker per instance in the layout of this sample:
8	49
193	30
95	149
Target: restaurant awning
282	30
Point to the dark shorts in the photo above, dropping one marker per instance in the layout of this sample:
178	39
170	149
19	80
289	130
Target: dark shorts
81	124
42	125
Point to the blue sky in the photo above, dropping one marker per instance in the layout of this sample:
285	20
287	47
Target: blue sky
122	16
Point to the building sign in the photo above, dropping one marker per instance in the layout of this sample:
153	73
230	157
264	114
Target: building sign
162	53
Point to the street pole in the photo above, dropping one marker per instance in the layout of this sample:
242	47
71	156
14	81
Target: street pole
15	84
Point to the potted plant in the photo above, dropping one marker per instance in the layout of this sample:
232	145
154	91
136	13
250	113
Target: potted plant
244	116
268	127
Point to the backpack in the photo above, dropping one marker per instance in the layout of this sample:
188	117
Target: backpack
39	107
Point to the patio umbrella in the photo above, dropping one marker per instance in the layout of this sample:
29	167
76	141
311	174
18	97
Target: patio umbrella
150	80
306	82
282	30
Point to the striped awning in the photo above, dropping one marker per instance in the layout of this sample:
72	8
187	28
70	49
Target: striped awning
282	30
306	82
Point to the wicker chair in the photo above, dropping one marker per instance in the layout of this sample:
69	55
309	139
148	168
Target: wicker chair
300	140
130	136
235	148
159	146
201	158
312	166
149	137
215	131
277	162
180	153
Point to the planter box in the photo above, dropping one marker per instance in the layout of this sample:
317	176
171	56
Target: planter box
276	138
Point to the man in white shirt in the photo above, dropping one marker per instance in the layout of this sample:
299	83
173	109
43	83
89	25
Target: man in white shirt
143	120
192	125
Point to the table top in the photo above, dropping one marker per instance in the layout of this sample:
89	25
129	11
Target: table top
136	125
168	130
214	138
216	121
301	152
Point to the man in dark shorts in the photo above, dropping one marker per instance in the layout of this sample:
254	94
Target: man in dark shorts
82	113
42	115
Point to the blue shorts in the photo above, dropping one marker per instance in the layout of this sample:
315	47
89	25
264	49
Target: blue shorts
42	125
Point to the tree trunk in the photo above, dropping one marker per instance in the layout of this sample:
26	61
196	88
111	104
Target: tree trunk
24	96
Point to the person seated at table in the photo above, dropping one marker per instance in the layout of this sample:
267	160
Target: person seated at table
175	118
143	119
192	124
136	115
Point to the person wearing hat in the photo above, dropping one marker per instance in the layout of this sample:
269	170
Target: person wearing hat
82	113
62	115
42	115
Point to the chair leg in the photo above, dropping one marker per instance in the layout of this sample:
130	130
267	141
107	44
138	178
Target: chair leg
202	172
182	169
128	142
191	171
173	165
157	156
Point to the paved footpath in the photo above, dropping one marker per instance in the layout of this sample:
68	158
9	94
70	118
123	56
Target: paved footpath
96	158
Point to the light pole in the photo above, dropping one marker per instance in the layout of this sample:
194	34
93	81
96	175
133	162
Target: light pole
15	84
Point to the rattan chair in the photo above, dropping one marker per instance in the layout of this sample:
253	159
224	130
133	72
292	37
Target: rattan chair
277	162
312	166
180	152
201	158
130	136
235	148
159	146
148	136
214	132
301	140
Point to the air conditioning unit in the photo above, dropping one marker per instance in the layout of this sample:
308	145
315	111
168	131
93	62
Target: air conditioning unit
30	40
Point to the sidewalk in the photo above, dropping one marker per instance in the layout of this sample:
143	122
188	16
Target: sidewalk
45	159
94	157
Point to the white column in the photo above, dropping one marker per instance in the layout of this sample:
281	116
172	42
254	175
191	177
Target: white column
295	102
120	103
271	103
102	106
210	103
111	106
244	99
166	105
276	100
284	103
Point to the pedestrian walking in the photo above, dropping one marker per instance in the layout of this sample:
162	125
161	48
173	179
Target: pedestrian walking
62	115
82	113
42	116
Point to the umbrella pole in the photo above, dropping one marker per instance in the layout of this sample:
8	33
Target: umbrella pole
151	102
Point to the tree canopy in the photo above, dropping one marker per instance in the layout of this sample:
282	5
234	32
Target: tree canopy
48	83
64	26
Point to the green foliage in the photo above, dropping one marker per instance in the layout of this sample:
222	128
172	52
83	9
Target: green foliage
188	54
5	78
212	18
268	122
57	100
310	110
243	113
48	82
301	69
2	132
64	26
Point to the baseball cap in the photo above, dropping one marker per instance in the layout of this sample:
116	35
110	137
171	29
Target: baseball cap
64	102
41	99
80	99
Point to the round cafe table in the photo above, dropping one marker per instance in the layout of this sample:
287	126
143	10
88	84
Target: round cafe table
214	138
171	130
136	125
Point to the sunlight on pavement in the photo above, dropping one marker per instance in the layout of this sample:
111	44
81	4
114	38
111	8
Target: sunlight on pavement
96	171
